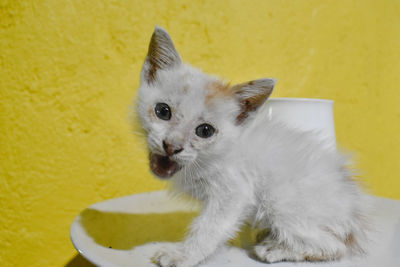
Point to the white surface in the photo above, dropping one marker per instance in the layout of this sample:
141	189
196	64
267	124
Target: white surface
304	113
384	248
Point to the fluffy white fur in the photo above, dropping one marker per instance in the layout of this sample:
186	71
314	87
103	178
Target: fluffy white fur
259	171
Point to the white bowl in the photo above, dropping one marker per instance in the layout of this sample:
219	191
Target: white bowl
384	248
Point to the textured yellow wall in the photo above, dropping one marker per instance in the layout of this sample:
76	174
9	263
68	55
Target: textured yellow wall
68	70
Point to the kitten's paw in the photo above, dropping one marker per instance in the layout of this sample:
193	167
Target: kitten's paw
273	252
170	257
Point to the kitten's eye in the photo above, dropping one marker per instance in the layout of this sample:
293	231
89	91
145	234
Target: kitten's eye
163	111
205	130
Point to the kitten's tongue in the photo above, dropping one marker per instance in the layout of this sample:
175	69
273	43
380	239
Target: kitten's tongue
163	166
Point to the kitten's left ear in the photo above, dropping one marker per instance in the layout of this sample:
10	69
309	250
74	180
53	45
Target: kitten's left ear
252	95
162	55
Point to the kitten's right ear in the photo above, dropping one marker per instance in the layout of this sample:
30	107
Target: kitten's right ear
162	55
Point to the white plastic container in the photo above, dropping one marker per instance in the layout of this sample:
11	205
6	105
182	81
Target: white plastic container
304	114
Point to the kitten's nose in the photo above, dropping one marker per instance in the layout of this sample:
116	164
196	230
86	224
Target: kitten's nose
171	149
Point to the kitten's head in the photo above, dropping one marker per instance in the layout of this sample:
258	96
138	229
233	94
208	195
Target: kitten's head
190	117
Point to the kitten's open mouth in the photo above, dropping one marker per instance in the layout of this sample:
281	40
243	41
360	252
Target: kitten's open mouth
163	166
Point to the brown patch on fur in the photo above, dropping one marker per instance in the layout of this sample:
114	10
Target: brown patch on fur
151	112
349	240
322	257
314	258
250	104
217	90
161	54
186	88
151	74
352	243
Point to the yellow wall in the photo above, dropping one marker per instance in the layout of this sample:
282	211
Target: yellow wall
68	70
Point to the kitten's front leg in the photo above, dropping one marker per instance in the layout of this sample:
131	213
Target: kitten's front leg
218	222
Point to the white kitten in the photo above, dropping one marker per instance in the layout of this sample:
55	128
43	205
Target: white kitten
203	136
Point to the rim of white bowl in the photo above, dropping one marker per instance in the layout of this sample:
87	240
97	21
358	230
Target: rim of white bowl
301	99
